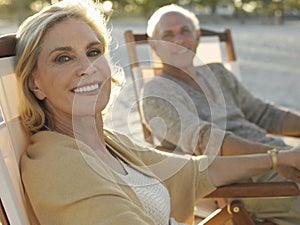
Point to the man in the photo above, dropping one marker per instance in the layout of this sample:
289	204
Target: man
205	109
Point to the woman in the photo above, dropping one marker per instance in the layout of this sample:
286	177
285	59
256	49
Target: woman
75	172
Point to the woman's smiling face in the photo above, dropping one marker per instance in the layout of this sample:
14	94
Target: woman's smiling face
72	74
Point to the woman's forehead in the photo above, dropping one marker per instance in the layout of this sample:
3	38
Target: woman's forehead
69	32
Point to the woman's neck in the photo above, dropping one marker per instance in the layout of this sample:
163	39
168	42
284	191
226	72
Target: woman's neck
88	129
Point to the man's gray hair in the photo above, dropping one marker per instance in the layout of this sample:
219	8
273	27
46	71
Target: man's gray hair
155	18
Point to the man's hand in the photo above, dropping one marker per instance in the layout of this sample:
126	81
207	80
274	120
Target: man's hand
290	173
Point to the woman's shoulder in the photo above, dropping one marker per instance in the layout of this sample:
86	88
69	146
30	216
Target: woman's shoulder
51	150
57	158
48	142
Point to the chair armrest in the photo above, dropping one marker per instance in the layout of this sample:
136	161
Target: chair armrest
7	45
250	190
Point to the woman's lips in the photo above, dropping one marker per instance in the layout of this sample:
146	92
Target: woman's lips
87	88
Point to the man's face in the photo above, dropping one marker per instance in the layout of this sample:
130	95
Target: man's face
175	40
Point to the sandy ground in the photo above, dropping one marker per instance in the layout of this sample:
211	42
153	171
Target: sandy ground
268	56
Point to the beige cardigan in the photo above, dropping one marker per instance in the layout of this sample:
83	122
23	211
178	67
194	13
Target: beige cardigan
67	186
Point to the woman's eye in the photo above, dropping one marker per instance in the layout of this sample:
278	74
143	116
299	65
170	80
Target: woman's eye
94	52
62	58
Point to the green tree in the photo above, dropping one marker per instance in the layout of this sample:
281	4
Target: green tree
138	7
212	4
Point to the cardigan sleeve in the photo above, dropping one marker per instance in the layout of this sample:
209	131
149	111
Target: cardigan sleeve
171	115
64	190
186	178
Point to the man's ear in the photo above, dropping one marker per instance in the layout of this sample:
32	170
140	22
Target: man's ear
198	34
152	44
35	89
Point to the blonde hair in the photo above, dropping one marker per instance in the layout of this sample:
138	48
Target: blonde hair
29	39
156	16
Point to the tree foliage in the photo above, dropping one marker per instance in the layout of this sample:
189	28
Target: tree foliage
146	7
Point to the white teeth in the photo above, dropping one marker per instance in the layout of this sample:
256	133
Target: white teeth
86	88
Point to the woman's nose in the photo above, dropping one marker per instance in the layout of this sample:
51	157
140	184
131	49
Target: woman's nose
85	66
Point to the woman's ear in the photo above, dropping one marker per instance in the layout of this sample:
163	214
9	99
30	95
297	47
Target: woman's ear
35	89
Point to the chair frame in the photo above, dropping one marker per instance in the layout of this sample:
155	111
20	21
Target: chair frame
8	45
233	213
11	143
3	216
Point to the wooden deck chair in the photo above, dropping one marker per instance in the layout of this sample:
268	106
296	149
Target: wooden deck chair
230	212
215	46
13	140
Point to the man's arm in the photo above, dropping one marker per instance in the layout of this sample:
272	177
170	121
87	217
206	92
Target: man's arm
273	119
290	125
260	112
241	167
233	145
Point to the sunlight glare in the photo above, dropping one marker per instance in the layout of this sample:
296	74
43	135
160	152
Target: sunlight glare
5	2
107	6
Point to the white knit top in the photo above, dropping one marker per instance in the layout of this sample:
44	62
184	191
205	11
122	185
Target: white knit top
152	193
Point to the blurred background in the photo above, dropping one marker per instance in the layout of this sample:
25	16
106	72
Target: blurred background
266	11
